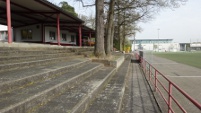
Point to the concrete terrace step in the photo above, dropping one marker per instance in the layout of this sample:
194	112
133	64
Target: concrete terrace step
23	58
46	49
81	49
77	98
23	99
110	99
12	79
28	64
31	52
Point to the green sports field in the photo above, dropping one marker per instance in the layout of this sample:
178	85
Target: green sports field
189	58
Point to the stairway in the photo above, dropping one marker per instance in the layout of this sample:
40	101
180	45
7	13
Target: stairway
59	81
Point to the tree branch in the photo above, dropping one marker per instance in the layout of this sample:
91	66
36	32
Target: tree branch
83	5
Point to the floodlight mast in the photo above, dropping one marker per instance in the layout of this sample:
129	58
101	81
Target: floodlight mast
134	43
158	39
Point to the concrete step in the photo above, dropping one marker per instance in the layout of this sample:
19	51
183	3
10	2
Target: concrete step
31	52
10	80
110	99
23	99
29	64
24	58
51	48
8	49
85	53
75	49
78	97
81	49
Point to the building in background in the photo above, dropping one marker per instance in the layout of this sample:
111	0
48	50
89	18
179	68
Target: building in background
185	47
158	45
195	46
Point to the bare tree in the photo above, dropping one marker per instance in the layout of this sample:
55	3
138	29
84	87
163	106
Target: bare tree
127	13
88	20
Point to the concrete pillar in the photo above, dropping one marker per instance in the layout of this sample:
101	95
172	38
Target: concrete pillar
90	39
80	35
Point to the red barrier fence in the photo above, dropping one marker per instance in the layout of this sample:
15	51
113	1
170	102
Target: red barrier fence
165	87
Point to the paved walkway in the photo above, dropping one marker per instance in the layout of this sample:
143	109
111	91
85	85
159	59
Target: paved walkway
186	77
139	97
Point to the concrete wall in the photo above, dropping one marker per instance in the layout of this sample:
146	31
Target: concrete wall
36	33
3	35
54	29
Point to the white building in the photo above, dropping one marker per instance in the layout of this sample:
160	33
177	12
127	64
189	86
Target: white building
196	46
158	45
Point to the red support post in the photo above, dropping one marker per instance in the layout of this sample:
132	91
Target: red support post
42	32
80	35
149	72
155	80
170	98
145	67
8	10
58	29
90	39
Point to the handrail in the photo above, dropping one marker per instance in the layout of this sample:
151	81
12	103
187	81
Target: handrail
147	67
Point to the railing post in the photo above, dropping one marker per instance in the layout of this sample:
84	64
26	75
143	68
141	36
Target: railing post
149	72
170	98
145	67
155	80
142	62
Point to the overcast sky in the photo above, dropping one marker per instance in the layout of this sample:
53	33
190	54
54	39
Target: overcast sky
182	24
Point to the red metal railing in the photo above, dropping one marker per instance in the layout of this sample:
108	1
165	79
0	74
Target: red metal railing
152	74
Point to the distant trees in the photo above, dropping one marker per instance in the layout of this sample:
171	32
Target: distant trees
66	7
88	20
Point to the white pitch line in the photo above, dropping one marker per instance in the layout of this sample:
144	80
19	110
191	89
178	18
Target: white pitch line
164	63
186	76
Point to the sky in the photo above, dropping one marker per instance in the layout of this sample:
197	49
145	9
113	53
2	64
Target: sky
182	24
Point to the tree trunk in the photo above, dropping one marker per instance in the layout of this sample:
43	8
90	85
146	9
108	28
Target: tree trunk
119	26
110	21
112	38
123	36
99	44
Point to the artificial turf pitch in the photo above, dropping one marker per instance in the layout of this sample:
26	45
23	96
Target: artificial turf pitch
189	58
